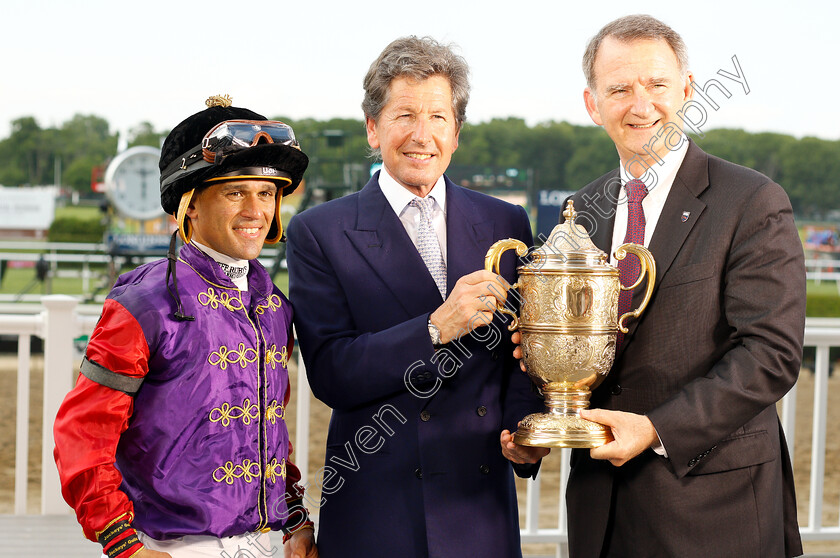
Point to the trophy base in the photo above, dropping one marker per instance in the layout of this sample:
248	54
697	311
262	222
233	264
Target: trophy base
549	430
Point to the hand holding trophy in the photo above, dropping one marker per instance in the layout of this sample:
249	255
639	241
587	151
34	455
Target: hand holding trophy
568	321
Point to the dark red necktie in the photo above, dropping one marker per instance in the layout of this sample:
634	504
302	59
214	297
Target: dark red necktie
630	267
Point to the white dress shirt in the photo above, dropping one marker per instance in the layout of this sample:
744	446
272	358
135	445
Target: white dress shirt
399	197
658	180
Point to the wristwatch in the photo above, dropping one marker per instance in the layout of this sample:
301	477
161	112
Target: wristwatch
434	333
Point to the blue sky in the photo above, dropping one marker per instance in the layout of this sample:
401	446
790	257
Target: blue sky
157	61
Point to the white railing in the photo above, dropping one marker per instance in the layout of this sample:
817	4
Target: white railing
823	270
62	320
821	333
94	259
57	324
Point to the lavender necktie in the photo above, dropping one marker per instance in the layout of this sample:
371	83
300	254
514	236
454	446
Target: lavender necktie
427	243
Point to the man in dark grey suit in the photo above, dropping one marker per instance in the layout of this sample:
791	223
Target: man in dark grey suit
699	465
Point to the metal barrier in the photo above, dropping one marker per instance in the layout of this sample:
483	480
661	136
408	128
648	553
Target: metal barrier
62	320
821	333
823	270
98	266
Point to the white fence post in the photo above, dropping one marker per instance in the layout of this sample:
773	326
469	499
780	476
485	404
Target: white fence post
59	328
60	323
815	499
821	333
22	426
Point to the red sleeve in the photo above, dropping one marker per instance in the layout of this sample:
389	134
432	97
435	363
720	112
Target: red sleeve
91	419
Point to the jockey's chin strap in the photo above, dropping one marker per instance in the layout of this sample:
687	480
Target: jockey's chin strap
170	270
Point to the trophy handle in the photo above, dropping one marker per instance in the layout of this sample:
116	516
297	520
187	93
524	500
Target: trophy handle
491	263
648	266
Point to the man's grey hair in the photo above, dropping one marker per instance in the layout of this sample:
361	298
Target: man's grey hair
631	28
418	59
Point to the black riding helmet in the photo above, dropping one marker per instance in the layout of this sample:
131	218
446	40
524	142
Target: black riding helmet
242	145
224	143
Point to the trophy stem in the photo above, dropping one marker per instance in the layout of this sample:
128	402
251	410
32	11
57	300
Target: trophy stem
561	425
567	402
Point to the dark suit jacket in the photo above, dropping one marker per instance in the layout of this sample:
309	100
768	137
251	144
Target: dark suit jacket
413	444
718	346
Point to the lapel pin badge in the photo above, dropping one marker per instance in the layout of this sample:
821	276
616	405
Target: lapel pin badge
685	216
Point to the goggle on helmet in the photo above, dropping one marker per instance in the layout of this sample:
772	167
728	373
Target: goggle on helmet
226	143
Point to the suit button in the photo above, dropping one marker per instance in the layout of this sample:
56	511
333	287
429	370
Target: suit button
616	389
495	355
692	463
425	416
481	411
485	470
418	472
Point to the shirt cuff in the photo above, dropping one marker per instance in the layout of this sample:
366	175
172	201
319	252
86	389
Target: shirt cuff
659	448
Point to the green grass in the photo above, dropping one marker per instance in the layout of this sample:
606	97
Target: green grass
825	288
282	281
15	280
78	212
823	300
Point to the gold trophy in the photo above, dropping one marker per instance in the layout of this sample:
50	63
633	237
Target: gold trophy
568	321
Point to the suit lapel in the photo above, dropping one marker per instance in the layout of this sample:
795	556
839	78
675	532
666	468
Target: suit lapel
466	234
382	241
671	230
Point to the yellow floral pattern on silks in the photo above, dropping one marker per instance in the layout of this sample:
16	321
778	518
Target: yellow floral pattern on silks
247	412
275	411
213	299
272	303
275	469
272	358
230	472
224	356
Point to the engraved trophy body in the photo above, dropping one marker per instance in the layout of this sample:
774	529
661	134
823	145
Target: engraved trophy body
569	322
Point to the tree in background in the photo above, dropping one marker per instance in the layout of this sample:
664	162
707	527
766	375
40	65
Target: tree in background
558	155
85	141
27	155
145	134
812	174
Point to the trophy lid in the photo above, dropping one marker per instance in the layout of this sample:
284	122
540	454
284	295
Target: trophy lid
569	247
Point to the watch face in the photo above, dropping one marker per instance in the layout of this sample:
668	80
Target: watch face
132	183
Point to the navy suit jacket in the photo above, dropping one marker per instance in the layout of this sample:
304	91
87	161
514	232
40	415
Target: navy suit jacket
719	344
413	462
